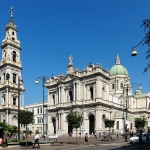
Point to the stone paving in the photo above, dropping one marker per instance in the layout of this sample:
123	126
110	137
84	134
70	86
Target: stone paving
68	143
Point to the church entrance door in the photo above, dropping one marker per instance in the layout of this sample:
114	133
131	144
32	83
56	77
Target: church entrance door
91	124
54	124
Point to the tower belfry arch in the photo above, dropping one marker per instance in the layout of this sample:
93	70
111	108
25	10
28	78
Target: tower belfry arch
11	72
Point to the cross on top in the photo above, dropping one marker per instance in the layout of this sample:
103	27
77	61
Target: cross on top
11	12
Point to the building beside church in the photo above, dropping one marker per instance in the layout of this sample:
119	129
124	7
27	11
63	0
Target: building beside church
96	93
10	75
37	110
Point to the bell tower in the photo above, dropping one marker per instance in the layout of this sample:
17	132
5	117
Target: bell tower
11	83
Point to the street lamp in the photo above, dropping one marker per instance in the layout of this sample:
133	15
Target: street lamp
145	40
126	86
126	110
44	80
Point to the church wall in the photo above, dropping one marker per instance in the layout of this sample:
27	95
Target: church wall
141	103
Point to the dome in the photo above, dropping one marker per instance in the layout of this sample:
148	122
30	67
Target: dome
118	68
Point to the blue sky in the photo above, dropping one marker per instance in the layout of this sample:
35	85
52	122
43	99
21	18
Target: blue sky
90	30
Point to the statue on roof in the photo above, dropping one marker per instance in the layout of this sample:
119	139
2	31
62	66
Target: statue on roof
70	59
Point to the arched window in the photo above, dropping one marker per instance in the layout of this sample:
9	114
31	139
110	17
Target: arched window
117	85
4	100
91	92
103	92
14	100
113	86
14	56
71	96
117	127
53	99
4	76
14	78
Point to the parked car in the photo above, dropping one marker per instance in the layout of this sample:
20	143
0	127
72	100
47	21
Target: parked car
135	139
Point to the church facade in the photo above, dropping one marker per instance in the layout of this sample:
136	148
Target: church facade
10	75
96	93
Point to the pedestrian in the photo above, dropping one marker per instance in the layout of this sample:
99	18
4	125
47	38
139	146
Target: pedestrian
36	140
23	136
86	139
132	133
70	135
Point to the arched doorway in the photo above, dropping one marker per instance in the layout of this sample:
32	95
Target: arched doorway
91	124
103	124
54	124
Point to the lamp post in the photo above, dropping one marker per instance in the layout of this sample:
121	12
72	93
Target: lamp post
44	80
126	86
145	40
126	131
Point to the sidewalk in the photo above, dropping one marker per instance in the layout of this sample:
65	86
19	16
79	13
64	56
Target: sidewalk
69	143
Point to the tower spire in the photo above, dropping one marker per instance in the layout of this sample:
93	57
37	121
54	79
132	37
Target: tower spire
11	23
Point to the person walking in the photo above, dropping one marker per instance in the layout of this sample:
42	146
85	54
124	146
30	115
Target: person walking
36	140
86	139
132	133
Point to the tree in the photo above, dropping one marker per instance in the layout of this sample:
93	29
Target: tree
109	123
11	129
25	118
74	121
140	123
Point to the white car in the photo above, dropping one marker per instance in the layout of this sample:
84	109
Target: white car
135	139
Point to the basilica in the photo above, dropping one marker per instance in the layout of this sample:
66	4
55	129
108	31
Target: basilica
96	94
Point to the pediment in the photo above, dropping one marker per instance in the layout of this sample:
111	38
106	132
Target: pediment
68	77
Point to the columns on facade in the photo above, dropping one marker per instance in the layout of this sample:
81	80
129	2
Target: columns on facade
107	91
7	98
98	88
74	91
59	94
84	91
94	91
99	120
62	122
87	88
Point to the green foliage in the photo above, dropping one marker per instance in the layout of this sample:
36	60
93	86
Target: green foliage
25	117
109	123
10	129
140	122
74	119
